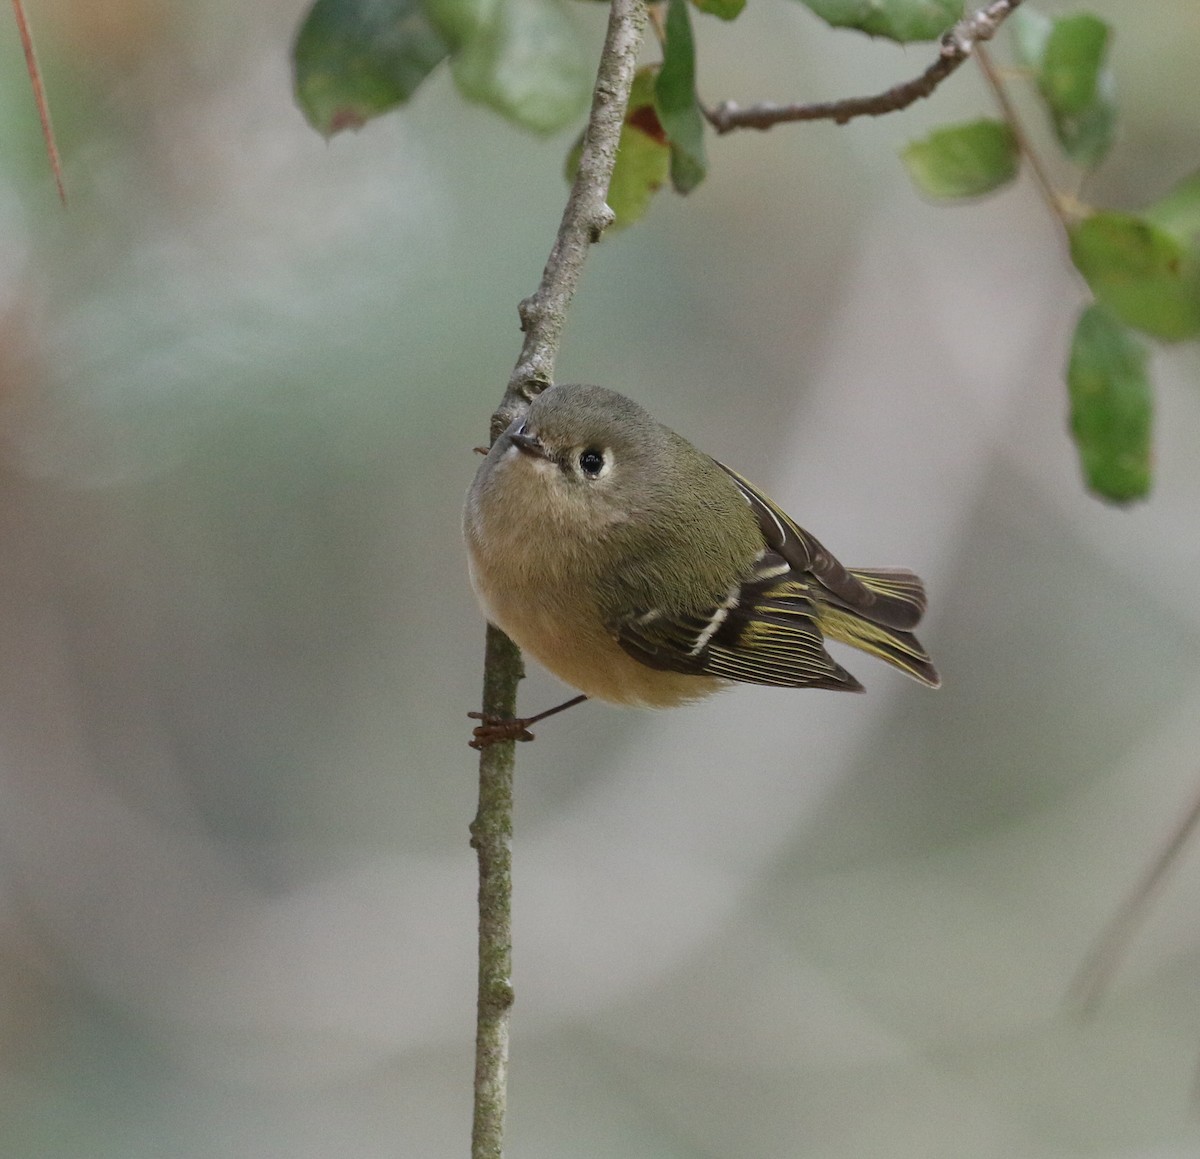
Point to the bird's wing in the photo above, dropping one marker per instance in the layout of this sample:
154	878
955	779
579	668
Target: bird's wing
770	627
762	631
889	597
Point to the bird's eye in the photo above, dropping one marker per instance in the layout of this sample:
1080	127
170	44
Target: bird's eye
591	462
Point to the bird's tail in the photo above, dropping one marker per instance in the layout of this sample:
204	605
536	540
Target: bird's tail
881	626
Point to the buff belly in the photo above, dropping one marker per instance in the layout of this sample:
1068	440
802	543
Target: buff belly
579	650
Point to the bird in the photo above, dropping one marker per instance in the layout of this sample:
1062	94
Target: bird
641	571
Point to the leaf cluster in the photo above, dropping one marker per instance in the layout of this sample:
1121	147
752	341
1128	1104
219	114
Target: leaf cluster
1143	268
355	59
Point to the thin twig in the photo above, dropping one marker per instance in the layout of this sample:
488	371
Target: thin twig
491	837
1095	975
586	216
956	46
39	97
542	314
1024	145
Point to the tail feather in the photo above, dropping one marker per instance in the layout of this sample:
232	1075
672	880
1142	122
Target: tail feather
899	597
899	648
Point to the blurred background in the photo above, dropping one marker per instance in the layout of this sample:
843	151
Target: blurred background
240	381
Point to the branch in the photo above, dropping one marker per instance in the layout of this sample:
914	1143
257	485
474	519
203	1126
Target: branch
1024	145
491	837
956	46
585	218
1095	975
39	97
543	314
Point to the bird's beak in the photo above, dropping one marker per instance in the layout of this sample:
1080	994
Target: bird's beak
528	444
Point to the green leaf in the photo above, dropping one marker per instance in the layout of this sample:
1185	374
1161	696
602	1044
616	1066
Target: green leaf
1087	137
355	59
902	20
1143	274
1179	212
1072	58
675	100
725	9
1069	60
458	20
1111	407
643	155
526	61
963	160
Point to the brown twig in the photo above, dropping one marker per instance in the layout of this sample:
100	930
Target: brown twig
1096	973
39	97
1024	145
956	46
491	837
542	314
585	218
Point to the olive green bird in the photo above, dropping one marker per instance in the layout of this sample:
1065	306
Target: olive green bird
641	571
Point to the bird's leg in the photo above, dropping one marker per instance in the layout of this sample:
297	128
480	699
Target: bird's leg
497	728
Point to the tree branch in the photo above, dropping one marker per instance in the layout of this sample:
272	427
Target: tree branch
491	837
39	97
542	314
956	46
585	218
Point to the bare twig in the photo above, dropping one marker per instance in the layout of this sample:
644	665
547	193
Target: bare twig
1040	177
39	97
956	46
491	837
585	218
1101	962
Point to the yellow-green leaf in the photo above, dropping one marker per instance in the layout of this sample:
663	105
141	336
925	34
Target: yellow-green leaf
675	100
1072	58
526	61
1068	56
1143	274
900	20
356	59
1111	407
725	9
963	160
1179	212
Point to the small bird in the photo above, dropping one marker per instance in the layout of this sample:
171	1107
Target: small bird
641	571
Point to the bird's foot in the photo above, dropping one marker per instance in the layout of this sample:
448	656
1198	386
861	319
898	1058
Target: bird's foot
495	729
